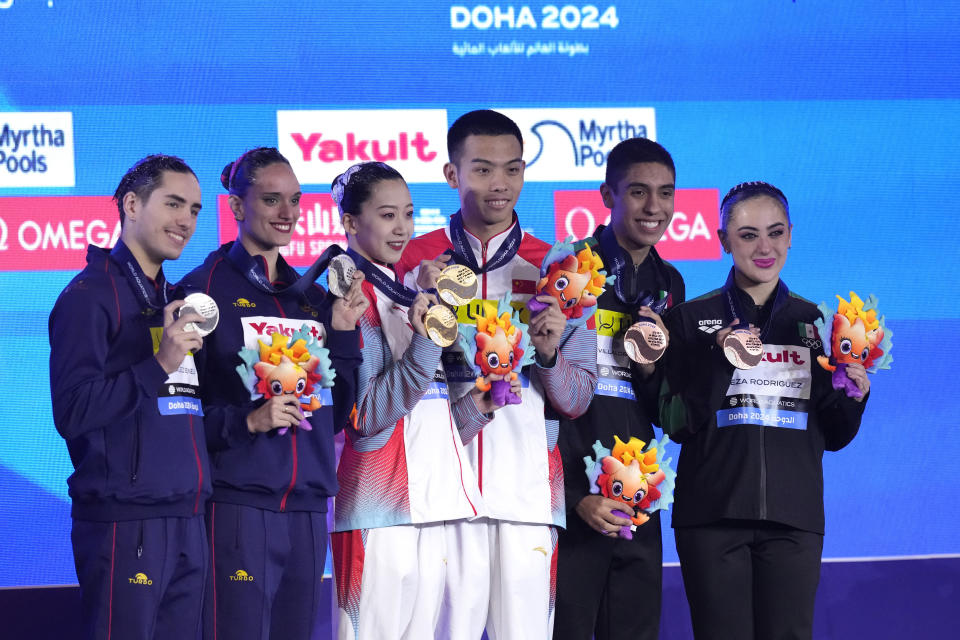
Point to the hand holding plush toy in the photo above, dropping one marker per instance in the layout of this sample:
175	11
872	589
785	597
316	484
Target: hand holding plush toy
574	275
288	367
498	344
853	335
638	478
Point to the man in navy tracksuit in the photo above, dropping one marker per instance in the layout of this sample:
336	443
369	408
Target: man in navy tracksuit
125	398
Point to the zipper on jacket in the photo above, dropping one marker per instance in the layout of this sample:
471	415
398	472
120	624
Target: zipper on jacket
763	473
196	455
293	473
135	457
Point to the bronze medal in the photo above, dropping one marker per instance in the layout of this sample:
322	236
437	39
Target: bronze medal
645	342
743	349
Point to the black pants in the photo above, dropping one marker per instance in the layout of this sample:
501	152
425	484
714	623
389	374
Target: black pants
748	579
608	588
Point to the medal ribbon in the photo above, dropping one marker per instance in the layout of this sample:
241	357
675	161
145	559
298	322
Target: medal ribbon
393	288
620	264
463	253
735	310
122	255
253	270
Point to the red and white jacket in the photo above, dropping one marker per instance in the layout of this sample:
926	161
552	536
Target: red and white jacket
515	457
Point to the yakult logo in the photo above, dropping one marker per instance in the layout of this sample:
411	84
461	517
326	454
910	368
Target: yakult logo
573	144
36	149
322	144
52	232
318	227
690	236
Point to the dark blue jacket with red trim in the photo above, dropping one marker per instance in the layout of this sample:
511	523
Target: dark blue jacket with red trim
295	471
131	461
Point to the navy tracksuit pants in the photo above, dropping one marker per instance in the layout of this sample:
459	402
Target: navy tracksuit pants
141	579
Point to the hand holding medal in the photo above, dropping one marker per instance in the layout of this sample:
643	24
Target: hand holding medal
205	307
646	340
344	281
741	344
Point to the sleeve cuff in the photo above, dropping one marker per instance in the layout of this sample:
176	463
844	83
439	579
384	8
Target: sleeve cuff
150	376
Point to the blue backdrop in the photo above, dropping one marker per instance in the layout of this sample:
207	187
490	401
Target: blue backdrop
852	109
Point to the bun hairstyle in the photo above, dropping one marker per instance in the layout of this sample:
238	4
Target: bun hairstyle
237	176
145	176
745	191
353	187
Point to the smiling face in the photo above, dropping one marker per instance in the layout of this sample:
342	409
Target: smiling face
158	228
641	206
384	225
758	237
488	176
266	215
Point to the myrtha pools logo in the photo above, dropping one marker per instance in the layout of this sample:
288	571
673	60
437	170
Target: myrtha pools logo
572	144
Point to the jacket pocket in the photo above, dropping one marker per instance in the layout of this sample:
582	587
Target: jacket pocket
135	450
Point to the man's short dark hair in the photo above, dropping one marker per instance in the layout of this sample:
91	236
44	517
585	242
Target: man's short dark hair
483	122
635	151
145	176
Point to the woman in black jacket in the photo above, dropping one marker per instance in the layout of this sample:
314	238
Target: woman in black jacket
748	516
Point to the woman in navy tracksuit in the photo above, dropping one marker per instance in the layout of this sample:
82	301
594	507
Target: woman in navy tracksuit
271	476
748	516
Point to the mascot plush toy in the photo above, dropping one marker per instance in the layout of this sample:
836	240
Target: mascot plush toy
574	275
498	344
291	366
853	334
636	476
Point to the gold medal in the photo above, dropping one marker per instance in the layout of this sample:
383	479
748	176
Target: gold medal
645	342
457	285
441	325
743	349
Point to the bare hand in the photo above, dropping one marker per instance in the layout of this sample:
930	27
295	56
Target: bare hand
858	374
546	328
482	399
723	333
646	370
418	310
276	413
429	270
177	342
597	512
348	309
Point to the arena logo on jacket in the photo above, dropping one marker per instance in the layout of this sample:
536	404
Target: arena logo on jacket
180	393
775	393
261	329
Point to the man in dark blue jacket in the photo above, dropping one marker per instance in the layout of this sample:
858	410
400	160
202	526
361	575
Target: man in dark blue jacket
125	398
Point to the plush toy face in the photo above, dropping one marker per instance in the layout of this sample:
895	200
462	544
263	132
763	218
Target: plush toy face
572	283
629	485
853	343
625	483
495	354
282	379
565	284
